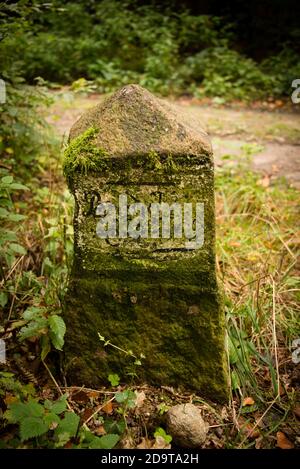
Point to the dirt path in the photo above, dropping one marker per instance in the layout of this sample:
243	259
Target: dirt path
270	140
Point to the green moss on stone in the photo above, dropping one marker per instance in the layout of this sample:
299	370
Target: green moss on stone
82	155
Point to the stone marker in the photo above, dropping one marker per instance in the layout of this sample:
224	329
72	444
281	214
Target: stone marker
144	272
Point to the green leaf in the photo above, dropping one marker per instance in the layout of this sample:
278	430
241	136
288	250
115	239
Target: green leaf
114	426
34	328
15	217
62	439
46	347
3	298
7	179
18	411
127	397
161	432
58	329
233	355
51	418
17	248
3	213
60	405
8	236
17	186
114	379
31	427
104	442
235	380
69	424
32	312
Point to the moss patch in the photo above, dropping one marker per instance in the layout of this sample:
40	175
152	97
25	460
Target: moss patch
82	155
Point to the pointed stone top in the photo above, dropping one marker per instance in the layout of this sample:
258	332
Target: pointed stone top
134	122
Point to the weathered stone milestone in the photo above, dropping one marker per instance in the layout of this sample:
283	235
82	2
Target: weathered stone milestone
144	272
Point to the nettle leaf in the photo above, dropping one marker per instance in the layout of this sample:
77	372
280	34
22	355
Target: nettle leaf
57	331
31	427
104	442
114	426
60	405
69	424
18	411
51	419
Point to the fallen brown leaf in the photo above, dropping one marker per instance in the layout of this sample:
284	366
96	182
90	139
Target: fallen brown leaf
248	401
140	397
100	430
108	408
160	443
145	444
283	442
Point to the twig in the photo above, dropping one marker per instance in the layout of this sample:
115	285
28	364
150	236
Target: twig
275	337
83	388
221	425
56	383
98	410
12	269
14	295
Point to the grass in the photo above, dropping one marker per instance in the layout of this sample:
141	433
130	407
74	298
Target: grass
257	249
257	246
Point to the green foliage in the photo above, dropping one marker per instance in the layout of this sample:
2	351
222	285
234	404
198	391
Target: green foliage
10	248
135	360
250	239
49	328
164	51
127	398
162	433
9	383
50	424
114	379
227	74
